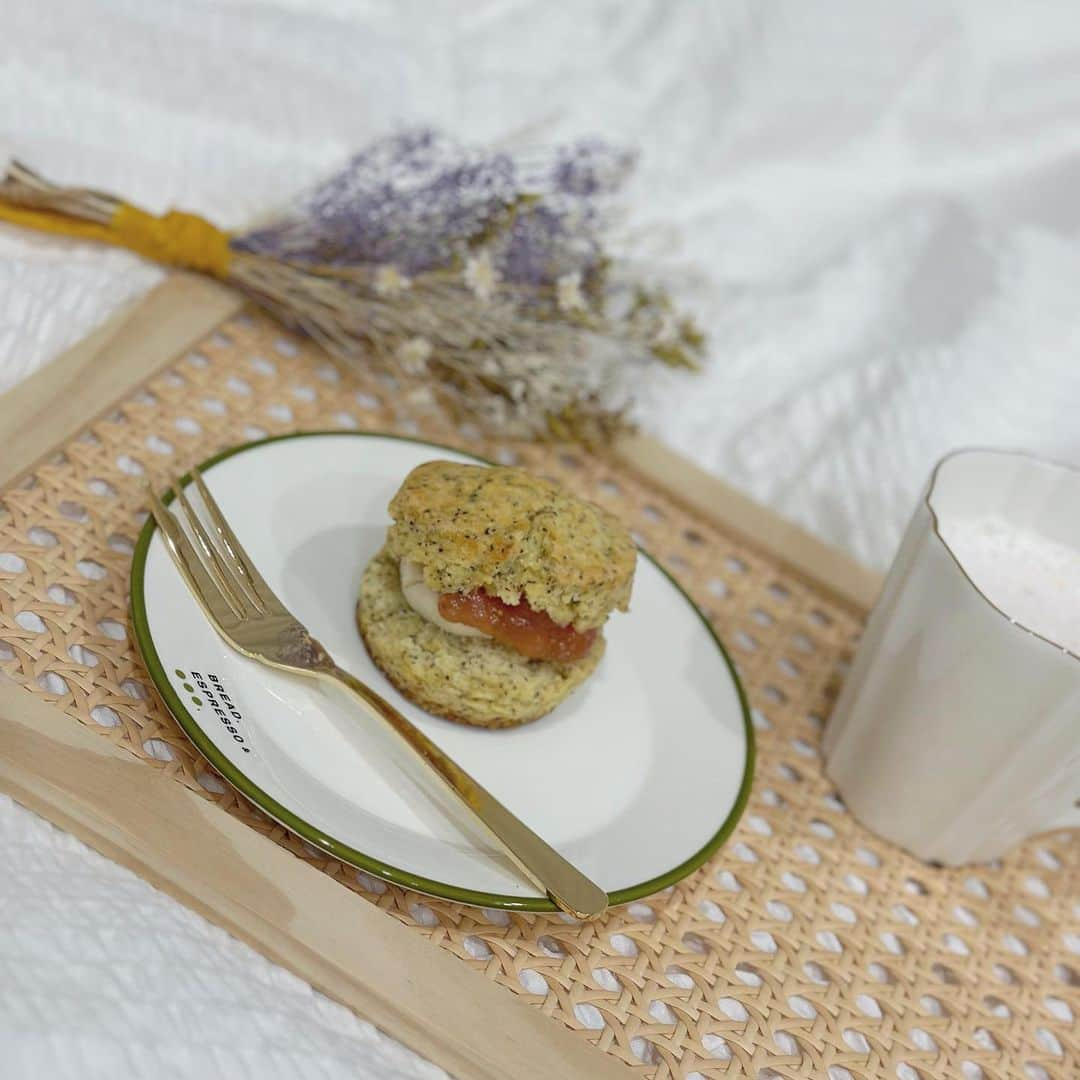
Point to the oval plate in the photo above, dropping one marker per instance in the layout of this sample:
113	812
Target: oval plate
637	778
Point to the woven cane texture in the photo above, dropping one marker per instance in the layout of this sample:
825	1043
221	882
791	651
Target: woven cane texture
805	947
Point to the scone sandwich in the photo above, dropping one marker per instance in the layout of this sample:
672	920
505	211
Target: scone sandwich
487	602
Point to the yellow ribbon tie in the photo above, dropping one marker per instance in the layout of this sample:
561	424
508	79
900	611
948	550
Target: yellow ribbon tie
175	238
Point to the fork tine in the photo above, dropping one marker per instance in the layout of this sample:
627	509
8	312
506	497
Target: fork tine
256	586
205	590
220	571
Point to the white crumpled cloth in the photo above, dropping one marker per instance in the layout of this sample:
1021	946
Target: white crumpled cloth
101	975
874	208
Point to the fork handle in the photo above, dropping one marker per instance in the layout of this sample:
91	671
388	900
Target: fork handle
567	886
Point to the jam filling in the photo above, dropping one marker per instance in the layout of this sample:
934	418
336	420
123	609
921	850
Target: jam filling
532	633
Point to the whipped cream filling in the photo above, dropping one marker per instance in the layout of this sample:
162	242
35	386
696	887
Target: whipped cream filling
425	601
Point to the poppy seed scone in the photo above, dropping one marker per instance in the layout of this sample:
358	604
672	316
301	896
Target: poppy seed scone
485	605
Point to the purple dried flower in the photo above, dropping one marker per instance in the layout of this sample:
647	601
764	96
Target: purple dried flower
416	200
591	167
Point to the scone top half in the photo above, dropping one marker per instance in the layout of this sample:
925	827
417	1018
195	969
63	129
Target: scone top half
516	537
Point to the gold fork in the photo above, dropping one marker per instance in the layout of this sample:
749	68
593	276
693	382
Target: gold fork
244	610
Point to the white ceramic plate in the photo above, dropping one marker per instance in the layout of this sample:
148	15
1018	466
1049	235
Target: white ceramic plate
637	778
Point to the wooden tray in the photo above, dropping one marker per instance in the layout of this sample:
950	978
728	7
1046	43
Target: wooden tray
805	945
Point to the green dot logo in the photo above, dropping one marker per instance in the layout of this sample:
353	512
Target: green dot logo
180	674
189	688
197	700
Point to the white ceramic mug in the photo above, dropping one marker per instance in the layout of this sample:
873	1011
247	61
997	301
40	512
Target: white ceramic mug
957	732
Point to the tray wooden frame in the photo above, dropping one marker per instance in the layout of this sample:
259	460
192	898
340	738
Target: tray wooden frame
210	861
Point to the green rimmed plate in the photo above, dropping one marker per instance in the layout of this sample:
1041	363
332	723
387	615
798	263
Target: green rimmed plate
637	778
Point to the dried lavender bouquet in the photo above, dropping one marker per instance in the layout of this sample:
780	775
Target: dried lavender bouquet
478	278
482	276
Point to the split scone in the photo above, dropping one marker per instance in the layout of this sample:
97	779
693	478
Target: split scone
487	602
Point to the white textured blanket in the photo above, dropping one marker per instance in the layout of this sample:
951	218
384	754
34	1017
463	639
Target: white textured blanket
874	208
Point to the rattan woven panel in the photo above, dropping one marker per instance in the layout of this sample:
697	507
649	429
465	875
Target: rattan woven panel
806	947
